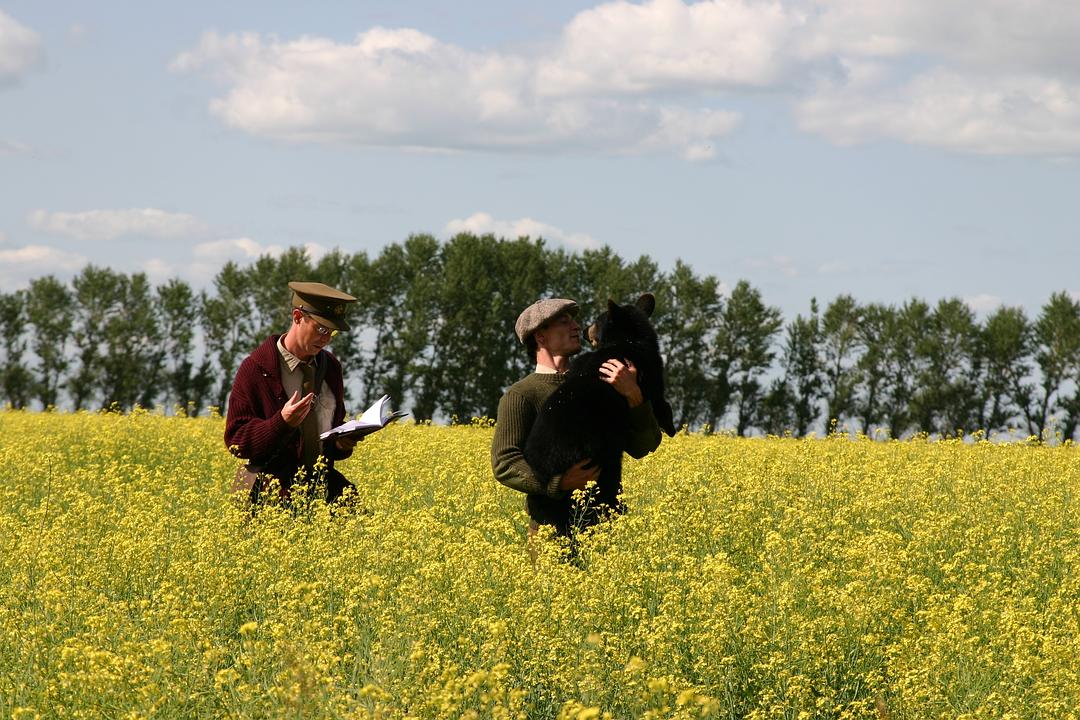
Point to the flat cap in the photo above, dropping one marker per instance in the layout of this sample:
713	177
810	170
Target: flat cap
540	312
322	301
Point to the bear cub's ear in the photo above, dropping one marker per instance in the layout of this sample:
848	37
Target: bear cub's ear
646	304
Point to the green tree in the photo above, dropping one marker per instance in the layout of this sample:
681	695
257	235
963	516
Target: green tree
840	345
528	270
268	283
686	317
1005	349
743	354
50	309
589	278
97	292
16	378
903	329
872	368
593	277
1070	407
187	384
778	408
402	314
641	276
1056	340
131	356
802	369
945	399
486	283
349	273
230	325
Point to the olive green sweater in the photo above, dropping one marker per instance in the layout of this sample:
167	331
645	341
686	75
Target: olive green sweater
518	410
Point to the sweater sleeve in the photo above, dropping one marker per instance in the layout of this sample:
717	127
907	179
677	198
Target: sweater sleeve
644	431
513	422
248	434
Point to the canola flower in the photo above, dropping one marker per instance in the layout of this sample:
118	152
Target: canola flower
775	578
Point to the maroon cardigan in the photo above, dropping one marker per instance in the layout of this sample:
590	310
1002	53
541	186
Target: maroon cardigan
254	428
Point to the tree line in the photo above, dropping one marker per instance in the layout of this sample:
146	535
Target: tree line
434	329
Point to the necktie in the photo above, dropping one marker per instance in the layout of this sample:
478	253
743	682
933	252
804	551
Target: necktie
311	444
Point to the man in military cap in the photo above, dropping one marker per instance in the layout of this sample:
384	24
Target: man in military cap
551	335
288	392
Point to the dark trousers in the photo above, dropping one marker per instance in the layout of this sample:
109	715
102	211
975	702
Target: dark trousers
256	484
567	514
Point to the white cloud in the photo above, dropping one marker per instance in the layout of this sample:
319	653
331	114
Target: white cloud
993	77
995	35
20	265
390	87
77	32
315	251
832	267
402	88
20	49
978	76
983	302
1019	115
693	131
667	44
482	223
158	271
234	249
208	257
782	264
13	147
248	249
785	265
112	224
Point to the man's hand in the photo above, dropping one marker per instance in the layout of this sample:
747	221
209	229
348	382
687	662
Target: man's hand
578	476
346	443
296	409
623	377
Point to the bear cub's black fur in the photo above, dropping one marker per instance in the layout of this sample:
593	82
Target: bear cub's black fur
587	418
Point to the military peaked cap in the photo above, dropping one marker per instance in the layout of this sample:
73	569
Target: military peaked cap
322	301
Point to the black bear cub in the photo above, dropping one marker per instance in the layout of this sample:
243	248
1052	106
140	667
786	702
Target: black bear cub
587	418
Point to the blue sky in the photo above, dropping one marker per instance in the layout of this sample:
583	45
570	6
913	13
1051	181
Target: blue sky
812	147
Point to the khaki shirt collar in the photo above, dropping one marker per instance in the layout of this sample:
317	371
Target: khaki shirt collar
291	361
545	370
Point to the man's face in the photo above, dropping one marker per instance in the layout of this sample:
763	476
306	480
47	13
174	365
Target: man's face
311	335
560	336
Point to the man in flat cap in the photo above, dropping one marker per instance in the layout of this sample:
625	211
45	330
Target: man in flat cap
551	335
288	392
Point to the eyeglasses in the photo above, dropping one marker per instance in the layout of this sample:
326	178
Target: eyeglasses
319	327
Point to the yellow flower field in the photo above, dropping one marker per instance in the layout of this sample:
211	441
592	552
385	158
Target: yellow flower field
751	579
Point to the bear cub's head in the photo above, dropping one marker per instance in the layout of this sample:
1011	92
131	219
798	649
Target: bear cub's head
627	332
626	324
